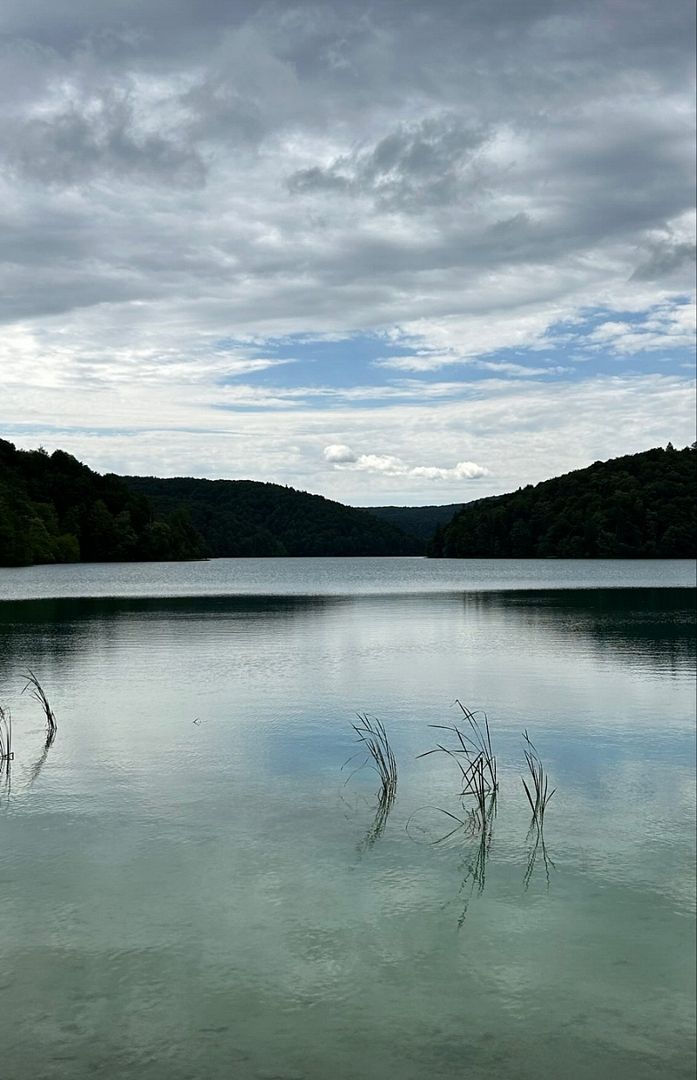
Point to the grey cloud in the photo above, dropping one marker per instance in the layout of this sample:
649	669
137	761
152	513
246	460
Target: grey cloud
430	148
125	26
336	36
664	259
319	179
413	167
99	136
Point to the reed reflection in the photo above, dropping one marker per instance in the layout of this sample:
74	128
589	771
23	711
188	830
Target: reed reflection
481	826
471	750
537	848
6	755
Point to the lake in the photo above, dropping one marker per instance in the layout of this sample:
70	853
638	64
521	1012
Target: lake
193	888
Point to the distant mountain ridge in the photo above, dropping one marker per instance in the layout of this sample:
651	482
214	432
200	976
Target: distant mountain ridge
420	522
638	506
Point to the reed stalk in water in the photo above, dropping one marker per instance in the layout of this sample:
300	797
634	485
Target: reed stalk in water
6	752
538	792
473	755
379	756
38	693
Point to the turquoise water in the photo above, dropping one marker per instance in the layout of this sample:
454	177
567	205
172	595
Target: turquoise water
190	888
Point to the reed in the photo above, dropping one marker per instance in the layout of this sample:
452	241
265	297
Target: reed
538	792
473	755
472	751
37	692
379	757
6	752
480	740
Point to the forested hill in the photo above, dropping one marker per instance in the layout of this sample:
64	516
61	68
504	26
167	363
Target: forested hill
420	522
639	506
55	509
245	517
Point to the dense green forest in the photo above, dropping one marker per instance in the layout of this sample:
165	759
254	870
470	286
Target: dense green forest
55	509
642	505
420	522
244	517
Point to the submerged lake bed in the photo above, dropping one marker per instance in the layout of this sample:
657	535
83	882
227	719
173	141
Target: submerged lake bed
191	885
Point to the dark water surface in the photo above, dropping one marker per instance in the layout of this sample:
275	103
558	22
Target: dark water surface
212	900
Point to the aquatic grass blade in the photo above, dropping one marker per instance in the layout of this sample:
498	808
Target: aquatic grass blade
38	693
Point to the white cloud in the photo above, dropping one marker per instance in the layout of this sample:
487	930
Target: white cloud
663	328
342	456
339	454
464	470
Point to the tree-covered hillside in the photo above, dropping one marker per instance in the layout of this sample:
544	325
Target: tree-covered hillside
420	522
244	517
55	509
642	505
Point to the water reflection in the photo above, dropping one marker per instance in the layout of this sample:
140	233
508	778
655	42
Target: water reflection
651	627
377	827
6	754
481	826
537	847
5	783
163	877
37	765
56	631
468	833
378	823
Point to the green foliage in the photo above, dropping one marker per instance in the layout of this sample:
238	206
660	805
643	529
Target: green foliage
419	522
55	509
639	506
246	518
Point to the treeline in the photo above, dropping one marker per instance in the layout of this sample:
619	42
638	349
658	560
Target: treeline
245	517
639	506
54	509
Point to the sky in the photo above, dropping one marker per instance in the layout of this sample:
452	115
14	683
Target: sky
386	252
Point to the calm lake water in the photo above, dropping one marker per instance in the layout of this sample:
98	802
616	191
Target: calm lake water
192	887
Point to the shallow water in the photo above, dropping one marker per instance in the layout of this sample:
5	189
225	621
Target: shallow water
212	899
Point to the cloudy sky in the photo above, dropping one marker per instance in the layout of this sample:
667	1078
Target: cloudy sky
392	251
